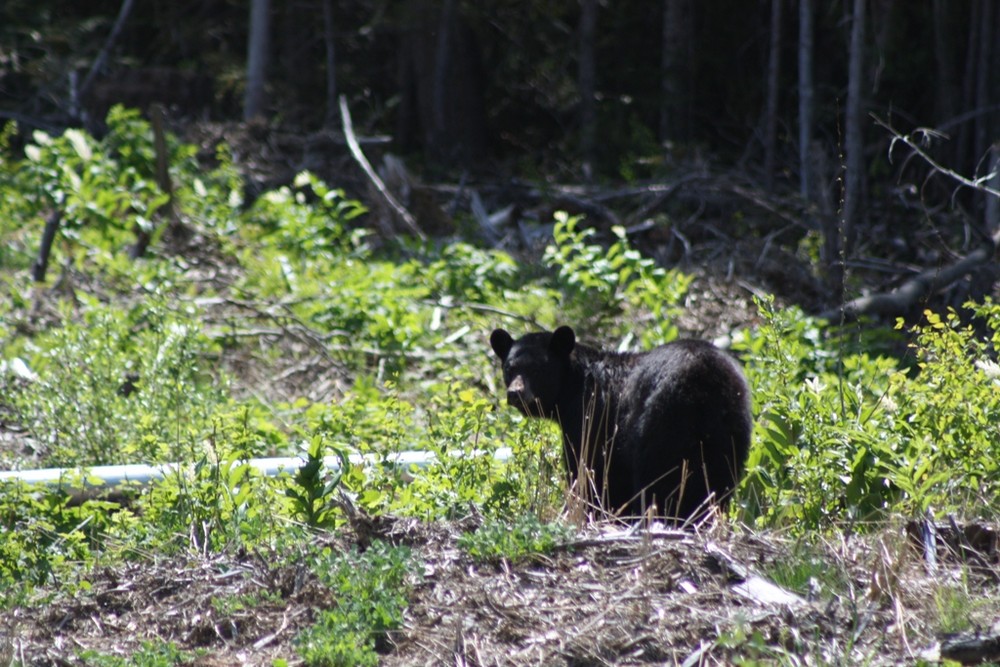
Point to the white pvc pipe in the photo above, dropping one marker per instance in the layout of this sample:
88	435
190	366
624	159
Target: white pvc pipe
142	474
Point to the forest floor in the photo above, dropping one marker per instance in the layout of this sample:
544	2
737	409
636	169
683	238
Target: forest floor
609	596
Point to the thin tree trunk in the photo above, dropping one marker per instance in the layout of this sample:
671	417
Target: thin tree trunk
805	97
331	71
442	61
258	48
676	38
947	92
966	136
771	111
981	142
853	140
41	265
587	80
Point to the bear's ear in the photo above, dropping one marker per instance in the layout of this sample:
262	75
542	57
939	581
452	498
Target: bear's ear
563	341
501	342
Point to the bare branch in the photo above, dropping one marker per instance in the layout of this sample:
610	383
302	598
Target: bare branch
927	135
359	157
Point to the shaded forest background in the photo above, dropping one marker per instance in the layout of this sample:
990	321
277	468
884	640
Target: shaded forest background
770	120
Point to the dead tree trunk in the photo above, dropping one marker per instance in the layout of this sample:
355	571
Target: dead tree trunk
677	27
331	71
587	82
805	97
258	47
771	107
854	167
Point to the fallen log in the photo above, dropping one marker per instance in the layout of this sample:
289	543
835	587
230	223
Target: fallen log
907	295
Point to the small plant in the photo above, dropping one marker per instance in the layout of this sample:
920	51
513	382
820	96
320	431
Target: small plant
370	590
601	283
312	492
152	654
525	538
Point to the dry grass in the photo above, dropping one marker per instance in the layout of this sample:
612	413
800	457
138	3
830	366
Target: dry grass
611	597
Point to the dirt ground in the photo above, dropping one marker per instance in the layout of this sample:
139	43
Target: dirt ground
611	596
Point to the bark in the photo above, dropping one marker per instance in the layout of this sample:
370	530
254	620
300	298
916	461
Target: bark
587	81
805	97
771	108
964	136
41	265
677	28
853	136
331	71
258	54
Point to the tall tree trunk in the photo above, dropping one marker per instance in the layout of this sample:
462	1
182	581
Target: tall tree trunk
677	28
258	48
805	97
981	140
331	71
965	135
854	172
771	110
587	81
991	210
947	92
442	64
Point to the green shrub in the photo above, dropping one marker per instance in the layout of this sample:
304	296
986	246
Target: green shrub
519	539
601	284
119	386
371	593
842	435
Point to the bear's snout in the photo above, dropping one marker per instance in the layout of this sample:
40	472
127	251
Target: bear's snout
518	394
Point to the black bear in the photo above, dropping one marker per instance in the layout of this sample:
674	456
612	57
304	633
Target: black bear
669	427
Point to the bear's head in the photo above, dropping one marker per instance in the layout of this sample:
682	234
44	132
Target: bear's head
534	367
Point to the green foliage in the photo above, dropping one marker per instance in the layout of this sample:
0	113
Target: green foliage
370	591
601	284
220	501
312	490
107	186
523	538
119	385
152	654
844	435
44	536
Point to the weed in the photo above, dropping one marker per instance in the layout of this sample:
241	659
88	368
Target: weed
602	283
371	591
312	490
152	654
524	538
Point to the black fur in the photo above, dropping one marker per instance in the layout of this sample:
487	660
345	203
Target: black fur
670	426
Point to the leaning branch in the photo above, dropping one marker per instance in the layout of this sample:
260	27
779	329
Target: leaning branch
926	282
359	157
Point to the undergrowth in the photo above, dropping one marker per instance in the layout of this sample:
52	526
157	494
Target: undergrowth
123	361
